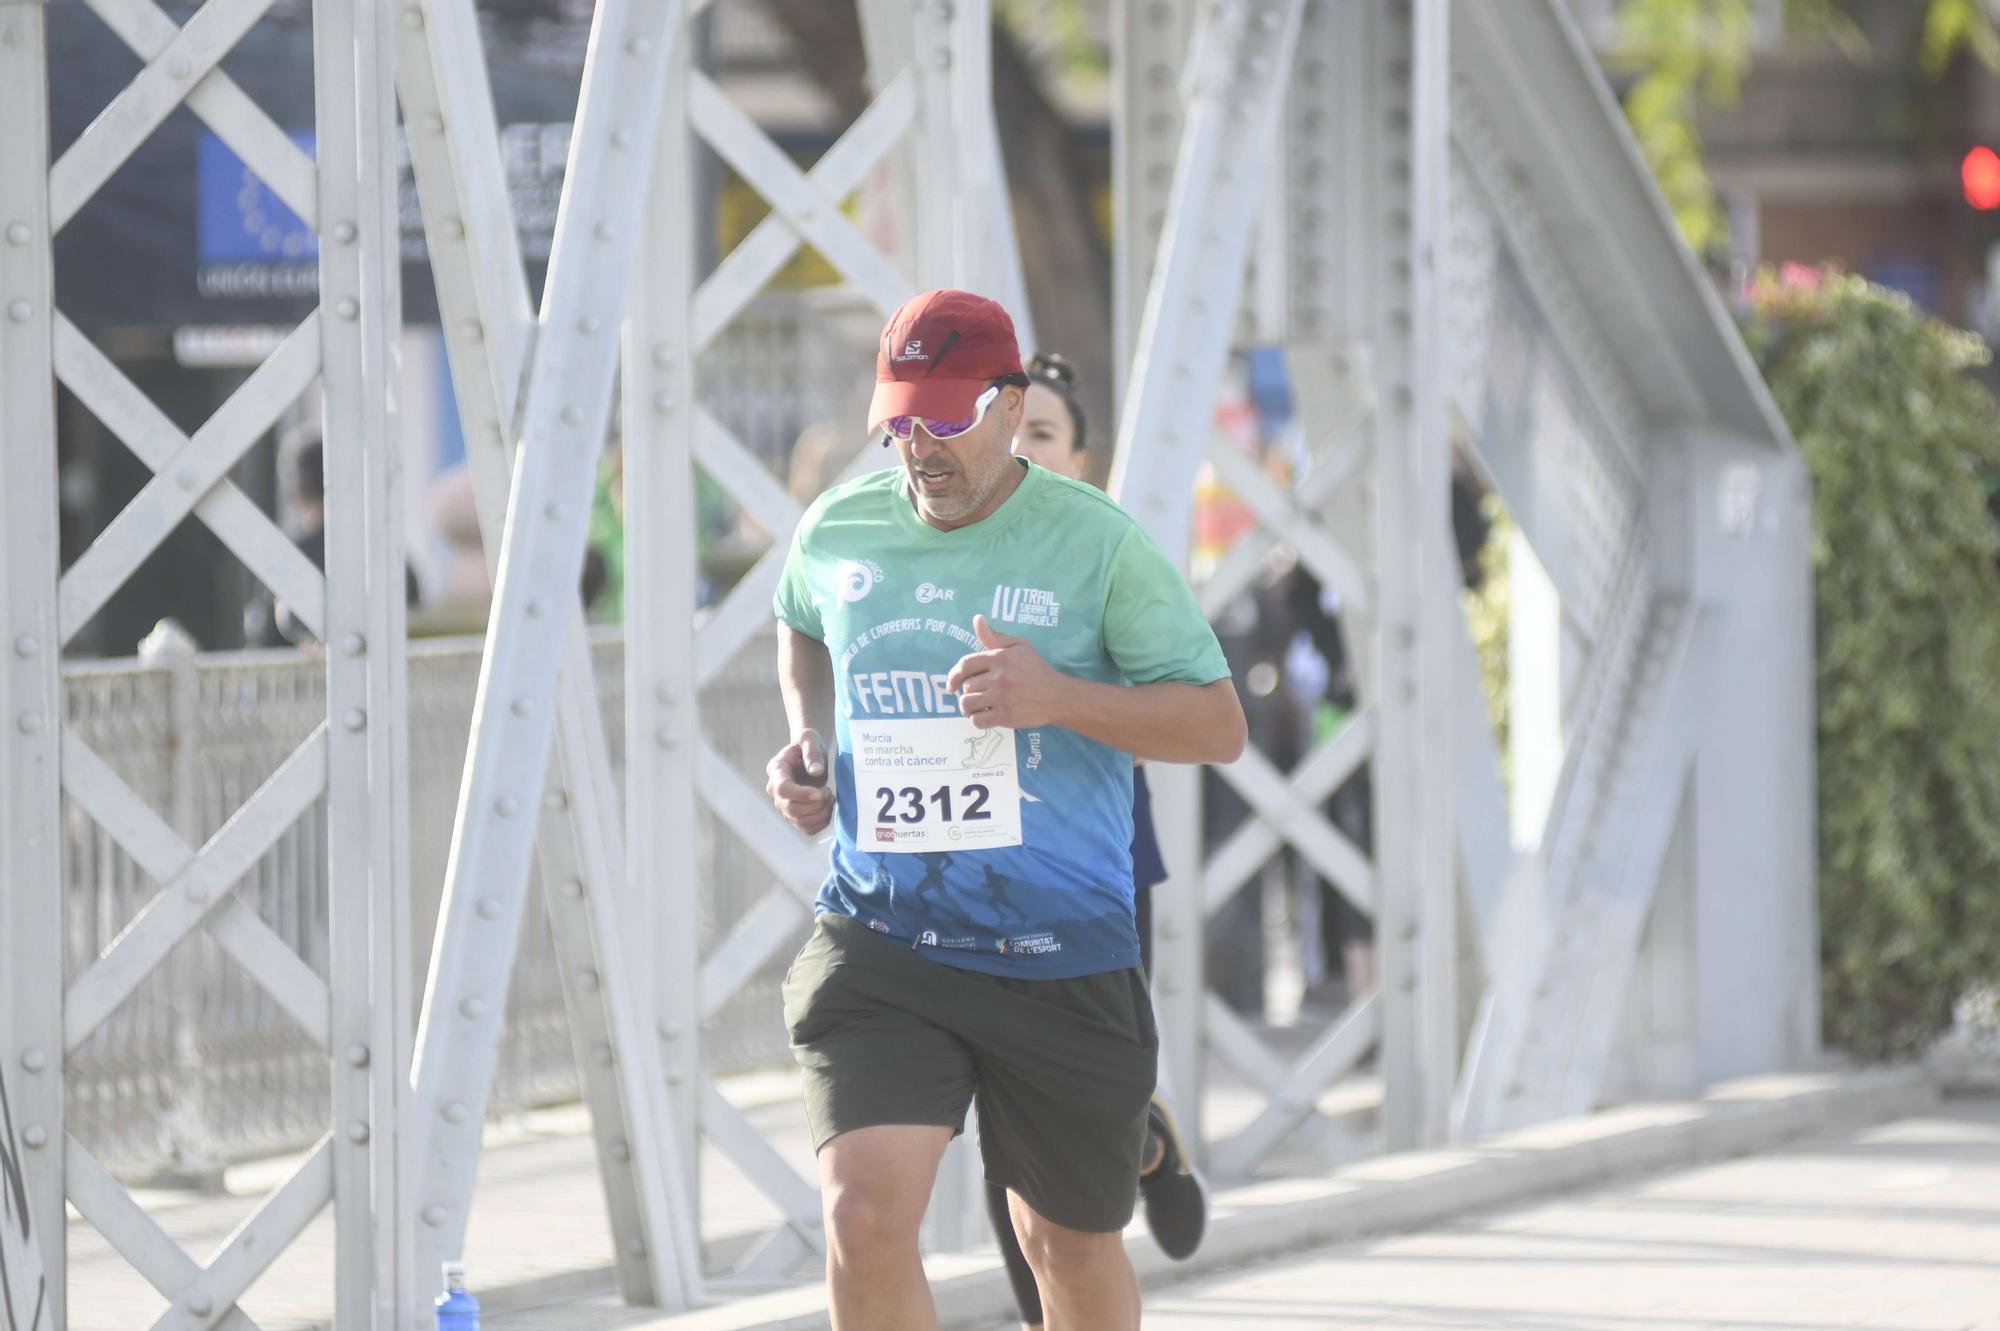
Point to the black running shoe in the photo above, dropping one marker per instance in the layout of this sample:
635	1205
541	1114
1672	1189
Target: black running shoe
1176	1198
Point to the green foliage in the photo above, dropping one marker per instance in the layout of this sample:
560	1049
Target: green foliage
1897	436
1062	30
1685	54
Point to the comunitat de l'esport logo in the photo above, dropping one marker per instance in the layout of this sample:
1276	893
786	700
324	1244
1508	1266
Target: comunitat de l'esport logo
857	578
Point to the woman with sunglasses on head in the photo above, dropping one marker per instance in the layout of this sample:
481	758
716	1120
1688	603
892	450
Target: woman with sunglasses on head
1052	436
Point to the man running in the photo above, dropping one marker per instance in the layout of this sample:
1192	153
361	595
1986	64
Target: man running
962	594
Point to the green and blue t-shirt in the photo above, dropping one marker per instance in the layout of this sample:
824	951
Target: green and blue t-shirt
892	598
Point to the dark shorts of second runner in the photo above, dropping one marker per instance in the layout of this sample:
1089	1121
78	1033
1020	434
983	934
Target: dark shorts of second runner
1062	1069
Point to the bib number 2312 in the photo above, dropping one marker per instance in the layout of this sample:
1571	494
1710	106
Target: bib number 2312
935	784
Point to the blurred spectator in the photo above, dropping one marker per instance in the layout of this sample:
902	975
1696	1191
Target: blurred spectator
268	621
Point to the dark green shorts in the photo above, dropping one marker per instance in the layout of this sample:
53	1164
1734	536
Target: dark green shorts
1062	1069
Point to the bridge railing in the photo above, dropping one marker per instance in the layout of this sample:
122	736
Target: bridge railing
202	1069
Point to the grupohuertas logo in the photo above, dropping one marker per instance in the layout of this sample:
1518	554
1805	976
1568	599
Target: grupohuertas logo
856	578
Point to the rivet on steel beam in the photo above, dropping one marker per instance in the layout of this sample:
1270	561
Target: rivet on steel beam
637	1247
572	889
670	1031
355	719
454	1112
357	1056
605	231
472	1009
602	1054
487	909
413	17
354	644
942	60
572	415
19	233
557	800
664	692
663	401
28	723
347	307
186	478
588	326
522	707
178	69
638	46
474	331
35	1137
506	806
200	1304
345	232
587	981
27	644
553	511
663	353
34	1060
434	1215
453	228
19	310
196	893
674	1077
357	1132
434	123
621	138
621	1151
534	609
665	737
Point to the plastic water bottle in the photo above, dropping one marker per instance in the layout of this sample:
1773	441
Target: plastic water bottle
456	1310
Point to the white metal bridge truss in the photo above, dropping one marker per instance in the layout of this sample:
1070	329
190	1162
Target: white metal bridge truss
1430	205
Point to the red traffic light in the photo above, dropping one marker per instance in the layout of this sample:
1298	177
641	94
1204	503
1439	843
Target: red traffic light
1981	173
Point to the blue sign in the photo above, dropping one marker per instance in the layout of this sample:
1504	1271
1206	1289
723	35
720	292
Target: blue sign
240	219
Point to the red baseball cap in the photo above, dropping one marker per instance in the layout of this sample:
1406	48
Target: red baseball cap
938	353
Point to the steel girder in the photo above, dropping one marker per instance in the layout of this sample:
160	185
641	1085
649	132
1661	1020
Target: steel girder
348	196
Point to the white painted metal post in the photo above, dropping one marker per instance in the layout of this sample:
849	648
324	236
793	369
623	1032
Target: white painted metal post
392	1014
662	717
942	242
1240	59
483	301
565	405
1415	923
992	264
31	936
368	901
1148	58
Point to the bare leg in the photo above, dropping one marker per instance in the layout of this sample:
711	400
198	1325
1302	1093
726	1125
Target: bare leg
1086	1279
874	1186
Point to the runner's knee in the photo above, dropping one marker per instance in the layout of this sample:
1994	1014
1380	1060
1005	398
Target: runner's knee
869	1216
1060	1255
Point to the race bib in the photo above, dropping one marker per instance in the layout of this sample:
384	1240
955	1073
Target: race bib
935	784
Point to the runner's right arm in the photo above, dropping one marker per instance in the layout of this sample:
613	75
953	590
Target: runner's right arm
797	777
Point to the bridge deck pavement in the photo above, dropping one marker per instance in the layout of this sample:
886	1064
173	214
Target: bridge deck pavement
1894	1227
